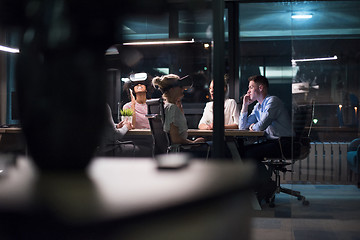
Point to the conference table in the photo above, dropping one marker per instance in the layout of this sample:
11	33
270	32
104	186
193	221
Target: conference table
199	132
230	137
9	130
12	140
12	136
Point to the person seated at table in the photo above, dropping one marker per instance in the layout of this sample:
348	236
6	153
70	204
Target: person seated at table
175	124
113	132
269	115
231	111
138	93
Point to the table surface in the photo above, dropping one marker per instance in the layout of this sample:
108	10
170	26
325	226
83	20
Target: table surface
191	132
114	188
10	130
198	132
227	132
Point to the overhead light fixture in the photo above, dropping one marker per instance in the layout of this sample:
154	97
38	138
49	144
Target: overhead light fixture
294	61
112	51
160	42
8	49
301	16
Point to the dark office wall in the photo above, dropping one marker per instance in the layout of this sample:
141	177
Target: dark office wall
113	91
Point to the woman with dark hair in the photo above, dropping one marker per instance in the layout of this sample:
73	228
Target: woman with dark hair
231	111
138	93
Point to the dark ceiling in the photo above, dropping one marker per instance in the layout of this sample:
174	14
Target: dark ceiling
260	20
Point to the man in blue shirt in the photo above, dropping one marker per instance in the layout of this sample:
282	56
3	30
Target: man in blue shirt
269	115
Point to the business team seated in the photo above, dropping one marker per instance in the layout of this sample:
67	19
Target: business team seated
269	115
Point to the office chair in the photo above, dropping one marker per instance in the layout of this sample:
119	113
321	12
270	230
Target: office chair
291	151
161	140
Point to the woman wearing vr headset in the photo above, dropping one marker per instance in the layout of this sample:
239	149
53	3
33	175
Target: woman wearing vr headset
138	93
172	88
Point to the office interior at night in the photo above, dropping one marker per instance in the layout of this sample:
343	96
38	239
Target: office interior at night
308	50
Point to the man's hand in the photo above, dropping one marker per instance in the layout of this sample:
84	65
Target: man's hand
246	102
251	127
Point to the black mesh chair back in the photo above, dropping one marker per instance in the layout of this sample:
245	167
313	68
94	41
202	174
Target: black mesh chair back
302	119
156	118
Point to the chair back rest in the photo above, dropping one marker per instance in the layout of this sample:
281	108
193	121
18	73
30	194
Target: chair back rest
302	117
156	116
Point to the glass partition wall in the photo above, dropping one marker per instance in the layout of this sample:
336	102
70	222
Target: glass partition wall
178	43
309	51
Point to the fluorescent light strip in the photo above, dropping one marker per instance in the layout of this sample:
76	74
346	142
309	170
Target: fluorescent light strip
301	16
159	42
313	59
10	50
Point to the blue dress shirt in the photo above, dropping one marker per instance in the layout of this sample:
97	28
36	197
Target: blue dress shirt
270	116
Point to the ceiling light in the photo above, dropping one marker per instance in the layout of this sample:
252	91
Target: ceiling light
301	16
10	50
160	42
112	51
294	61
315	59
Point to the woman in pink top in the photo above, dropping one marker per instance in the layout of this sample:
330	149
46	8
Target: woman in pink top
138	92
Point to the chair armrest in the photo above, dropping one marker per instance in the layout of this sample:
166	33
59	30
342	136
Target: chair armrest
117	142
153	116
125	142
194	144
190	145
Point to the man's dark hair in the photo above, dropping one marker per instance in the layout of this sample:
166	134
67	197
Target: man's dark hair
260	80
